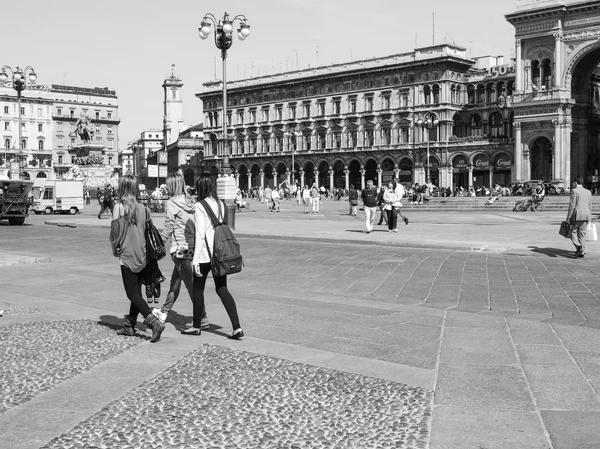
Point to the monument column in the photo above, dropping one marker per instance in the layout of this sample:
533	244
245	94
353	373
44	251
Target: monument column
518	156
262	179
249	175
379	177
362	178
331	179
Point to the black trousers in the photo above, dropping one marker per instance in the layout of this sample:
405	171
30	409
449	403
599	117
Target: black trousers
222	291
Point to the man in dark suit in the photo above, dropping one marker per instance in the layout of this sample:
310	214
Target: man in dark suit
580	212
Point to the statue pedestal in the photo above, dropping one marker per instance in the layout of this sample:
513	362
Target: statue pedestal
87	149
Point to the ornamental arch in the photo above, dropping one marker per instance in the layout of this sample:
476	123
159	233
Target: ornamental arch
557	76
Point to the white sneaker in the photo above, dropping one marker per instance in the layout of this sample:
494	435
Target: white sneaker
162	316
204	324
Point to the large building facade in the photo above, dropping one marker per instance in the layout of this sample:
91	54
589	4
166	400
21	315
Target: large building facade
34	151
100	106
348	123
534	117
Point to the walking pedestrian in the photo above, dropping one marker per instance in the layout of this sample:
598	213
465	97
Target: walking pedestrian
389	198
276	199
87	196
268	198
381	205
369	199
400	192
206	188
353	200
315	198
179	229
579	214
306	199
106	200
128	243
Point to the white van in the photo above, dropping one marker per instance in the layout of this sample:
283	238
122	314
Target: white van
57	195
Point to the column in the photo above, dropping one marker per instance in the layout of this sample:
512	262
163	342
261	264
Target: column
313	141
237	180
249	175
316	176
470	182
347	178
519	72
362	178
379	177
526	166
491	175
397	174
518	156
566	147
288	175
556	160
301	172
331	180
557	60
262	179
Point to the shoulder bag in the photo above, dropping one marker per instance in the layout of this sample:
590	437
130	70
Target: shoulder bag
155	247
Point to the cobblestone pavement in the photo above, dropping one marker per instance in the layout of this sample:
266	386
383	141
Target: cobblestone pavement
220	398
508	342
38	356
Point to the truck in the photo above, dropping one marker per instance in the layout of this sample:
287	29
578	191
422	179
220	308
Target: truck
57	195
15	200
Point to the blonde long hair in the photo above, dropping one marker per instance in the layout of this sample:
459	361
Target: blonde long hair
175	186
128	192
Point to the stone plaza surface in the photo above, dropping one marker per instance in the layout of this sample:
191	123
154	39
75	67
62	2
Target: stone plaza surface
462	330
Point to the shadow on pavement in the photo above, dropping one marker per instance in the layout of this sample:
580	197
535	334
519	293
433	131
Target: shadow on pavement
553	252
116	323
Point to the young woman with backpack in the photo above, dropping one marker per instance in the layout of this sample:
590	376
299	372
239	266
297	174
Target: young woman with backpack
179	229
128	242
206	189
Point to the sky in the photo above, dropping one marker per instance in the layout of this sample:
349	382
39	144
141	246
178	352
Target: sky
129	45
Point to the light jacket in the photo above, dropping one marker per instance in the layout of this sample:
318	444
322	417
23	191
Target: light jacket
179	222
205	231
389	198
580	205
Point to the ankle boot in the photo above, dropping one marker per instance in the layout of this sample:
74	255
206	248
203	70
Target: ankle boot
157	327
128	327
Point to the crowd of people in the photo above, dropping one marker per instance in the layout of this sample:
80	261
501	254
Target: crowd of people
190	231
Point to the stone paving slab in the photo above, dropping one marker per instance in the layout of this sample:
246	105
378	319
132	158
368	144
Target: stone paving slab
247	400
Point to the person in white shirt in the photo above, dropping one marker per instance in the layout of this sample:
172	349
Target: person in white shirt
206	189
276	198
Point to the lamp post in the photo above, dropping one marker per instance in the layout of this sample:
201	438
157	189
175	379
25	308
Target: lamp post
19	83
427	122
223	41
226	185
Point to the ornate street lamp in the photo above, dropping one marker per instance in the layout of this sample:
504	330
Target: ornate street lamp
297	134
223	41
20	78
429	121
226	185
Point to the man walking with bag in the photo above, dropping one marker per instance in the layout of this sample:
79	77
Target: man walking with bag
579	214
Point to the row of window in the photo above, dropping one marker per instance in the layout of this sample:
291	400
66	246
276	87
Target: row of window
40	127
59	112
8	143
40	110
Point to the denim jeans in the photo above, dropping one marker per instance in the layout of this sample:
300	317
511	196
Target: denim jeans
182	271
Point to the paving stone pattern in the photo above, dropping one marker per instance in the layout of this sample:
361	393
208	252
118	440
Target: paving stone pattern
221	398
37	356
557	290
11	309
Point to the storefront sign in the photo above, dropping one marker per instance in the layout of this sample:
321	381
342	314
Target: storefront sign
503	162
481	162
460	162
